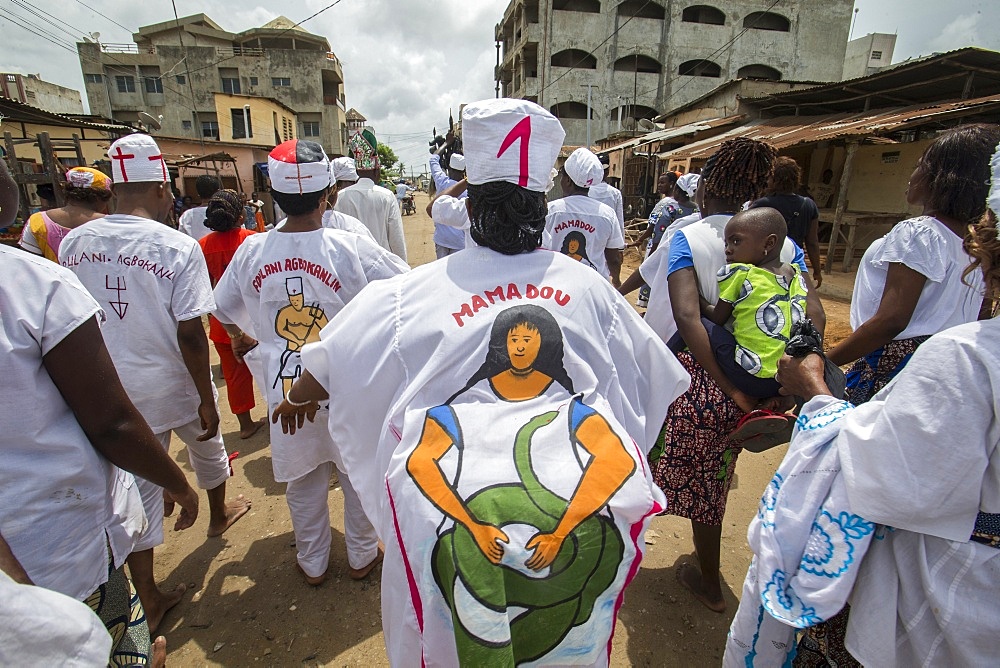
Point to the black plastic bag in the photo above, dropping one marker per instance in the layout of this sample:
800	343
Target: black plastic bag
805	339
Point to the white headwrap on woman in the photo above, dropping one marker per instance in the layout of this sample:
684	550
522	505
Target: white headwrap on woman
993	199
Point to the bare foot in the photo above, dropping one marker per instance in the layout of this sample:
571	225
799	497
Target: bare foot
158	653
312	581
235	509
252	429
690	578
163	603
362	573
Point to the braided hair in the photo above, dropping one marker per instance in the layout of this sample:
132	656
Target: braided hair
506	217
739	171
224	211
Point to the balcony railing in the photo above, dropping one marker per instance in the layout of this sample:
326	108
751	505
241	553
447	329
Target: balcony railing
247	51
126	48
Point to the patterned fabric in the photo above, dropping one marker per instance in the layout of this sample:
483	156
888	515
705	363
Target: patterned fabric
807	544
118	606
765	306
987	529
823	645
698	461
874	371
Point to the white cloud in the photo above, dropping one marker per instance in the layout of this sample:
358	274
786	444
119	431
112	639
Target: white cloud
961	32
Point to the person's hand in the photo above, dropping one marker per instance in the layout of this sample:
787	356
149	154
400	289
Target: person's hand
546	546
208	413
802	376
188	501
242	345
293	417
487	537
817	278
616	282
449	138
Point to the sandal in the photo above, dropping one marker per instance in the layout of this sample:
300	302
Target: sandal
762	430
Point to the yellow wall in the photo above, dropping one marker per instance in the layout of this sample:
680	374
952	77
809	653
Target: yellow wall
265	116
880	186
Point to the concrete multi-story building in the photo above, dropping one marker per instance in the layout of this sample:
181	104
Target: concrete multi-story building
200	77
869	54
642	59
30	89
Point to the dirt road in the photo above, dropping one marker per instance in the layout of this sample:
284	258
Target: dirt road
247	605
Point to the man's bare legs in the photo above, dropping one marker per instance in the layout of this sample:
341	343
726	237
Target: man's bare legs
247	425
154	601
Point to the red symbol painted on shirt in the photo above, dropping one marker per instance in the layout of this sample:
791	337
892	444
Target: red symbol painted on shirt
520	131
119	287
123	157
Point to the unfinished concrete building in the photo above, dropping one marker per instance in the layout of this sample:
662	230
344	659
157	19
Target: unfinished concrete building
178	71
643	58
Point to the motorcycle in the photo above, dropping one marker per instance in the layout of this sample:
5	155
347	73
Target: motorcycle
409	207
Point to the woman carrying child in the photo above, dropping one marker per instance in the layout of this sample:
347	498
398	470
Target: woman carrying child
696	468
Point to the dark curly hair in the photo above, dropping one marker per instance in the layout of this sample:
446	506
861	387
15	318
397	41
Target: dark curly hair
739	171
787	176
957	165
224	211
86	195
506	217
206	185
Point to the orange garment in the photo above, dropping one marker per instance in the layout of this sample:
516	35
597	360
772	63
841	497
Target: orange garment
261	223
219	249
239	381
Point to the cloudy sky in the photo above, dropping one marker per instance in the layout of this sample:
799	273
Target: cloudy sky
407	62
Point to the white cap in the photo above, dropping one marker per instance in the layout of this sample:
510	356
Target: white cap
293	285
688	183
136	158
510	140
584	168
457	162
298	166
343	169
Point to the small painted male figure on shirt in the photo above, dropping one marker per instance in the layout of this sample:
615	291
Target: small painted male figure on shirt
298	324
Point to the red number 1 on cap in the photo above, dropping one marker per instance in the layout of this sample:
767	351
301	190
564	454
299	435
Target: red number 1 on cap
520	131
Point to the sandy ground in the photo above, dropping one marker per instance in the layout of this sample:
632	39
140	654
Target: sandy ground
247	605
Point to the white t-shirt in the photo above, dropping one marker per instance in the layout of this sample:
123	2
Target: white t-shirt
452	212
416	344
583	228
401	190
377	209
282	288
56	506
335	220
929	247
192	222
608	194
39	627
148	278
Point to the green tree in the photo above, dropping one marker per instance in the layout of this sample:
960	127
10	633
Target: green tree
387	160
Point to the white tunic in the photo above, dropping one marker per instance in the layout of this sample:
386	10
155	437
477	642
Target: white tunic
425	335
328	268
376	207
56	508
192	222
579	217
148	278
608	194
452	212
335	220
928	247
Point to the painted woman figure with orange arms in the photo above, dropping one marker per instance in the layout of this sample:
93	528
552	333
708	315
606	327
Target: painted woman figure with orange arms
538	529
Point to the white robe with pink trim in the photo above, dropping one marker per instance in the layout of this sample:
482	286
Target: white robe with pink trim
410	369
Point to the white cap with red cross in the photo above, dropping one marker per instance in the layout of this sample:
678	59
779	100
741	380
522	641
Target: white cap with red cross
136	158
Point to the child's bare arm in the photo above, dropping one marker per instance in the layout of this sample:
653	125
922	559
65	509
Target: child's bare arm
720	313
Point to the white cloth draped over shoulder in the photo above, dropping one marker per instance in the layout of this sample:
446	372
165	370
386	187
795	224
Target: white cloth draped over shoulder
415	343
922	457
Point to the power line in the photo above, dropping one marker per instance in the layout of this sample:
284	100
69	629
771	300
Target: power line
39	14
80	2
591	53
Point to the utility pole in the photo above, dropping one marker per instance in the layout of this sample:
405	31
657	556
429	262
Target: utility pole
590	100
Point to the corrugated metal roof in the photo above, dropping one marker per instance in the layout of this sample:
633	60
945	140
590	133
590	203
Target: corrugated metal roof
16	110
787	131
670	133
